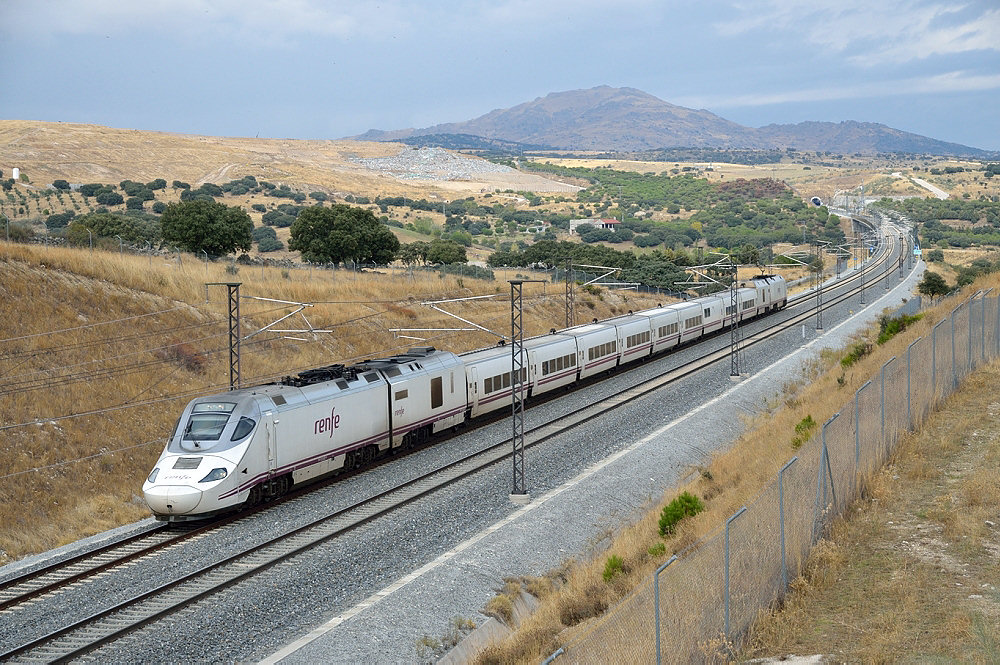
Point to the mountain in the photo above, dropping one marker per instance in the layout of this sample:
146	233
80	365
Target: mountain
630	120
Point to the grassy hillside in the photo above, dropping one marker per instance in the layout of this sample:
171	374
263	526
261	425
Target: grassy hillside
101	351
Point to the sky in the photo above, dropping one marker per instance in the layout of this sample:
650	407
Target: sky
315	69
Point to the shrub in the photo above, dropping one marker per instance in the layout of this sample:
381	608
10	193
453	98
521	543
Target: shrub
159	207
685	505
501	607
803	430
858	351
890	327
259	207
270	245
615	565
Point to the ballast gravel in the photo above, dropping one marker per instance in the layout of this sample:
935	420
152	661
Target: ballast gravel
258	618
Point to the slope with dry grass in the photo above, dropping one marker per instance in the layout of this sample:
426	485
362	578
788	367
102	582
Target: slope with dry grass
912	572
100	351
574	597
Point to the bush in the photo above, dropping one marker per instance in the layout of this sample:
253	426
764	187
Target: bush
60	184
259	207
856	353
270	245
110	198
134	203
803	430
159	207
261	232
685	505
615	565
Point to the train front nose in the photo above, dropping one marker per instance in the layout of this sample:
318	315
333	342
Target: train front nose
172	499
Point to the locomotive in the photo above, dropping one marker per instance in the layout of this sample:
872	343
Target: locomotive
245	446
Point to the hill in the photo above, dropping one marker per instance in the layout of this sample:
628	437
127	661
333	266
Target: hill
628	120
80	153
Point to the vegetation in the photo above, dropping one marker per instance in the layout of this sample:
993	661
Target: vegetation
206	226
342	233
933	285
684	505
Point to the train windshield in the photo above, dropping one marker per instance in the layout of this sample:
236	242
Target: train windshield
207	421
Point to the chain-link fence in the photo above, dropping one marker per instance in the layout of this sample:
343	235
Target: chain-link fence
699	605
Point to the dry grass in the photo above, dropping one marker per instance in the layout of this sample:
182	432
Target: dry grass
916	567
731	480
46	151
152	364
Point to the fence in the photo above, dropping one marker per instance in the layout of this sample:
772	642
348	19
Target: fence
699	605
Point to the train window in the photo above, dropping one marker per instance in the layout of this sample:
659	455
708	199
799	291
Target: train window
572	360
437	392
452	375
371	377
243	427
506	380
402	394
205	426
488	385
392	371
545	367
559	363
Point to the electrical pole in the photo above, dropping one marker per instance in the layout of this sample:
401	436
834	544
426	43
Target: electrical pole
570	313
233	289
518	379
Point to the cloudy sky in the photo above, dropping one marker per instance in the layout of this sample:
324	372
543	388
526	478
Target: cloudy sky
328	69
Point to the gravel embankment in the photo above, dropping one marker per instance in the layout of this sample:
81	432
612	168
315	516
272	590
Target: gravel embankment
431	163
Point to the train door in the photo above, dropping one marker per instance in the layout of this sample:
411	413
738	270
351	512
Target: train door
474	388
272	444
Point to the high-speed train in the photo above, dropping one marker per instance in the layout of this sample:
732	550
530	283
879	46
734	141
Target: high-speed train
244	446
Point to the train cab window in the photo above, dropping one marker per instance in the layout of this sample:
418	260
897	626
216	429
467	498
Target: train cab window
207	421
402	394
243	427
437	392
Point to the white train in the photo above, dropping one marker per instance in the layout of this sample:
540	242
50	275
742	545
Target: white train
244	446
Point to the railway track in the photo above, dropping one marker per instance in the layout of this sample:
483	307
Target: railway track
108	625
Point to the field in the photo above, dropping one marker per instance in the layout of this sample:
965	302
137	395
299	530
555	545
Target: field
101	351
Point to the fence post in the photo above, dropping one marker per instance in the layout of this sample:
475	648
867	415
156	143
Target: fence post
826	454
857	435
954	367
728	522
656	602
972	308
909	412
996	351
982	325
781	518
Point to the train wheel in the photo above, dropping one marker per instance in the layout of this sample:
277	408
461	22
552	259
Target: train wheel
255	496
368	455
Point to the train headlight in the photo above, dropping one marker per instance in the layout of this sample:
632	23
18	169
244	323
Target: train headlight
152	475
214	474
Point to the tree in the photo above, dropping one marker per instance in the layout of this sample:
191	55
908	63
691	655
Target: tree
342	233
935	255
60	184
208	226
446	251
110	198
133	203
159	183
933	285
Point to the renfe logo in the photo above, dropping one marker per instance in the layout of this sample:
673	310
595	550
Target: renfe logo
328	424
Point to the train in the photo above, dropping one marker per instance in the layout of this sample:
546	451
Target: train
240	448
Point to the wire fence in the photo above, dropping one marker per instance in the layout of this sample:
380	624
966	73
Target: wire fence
699	605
